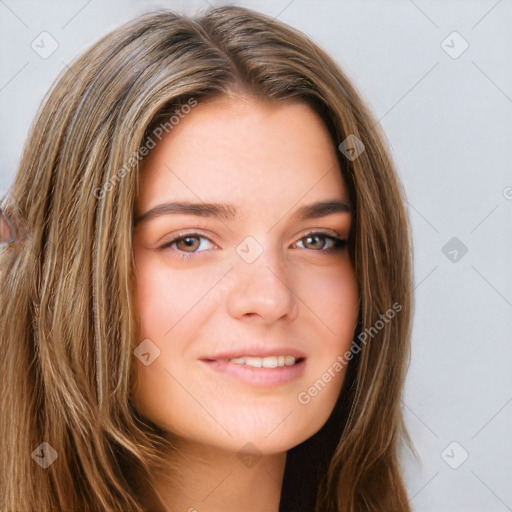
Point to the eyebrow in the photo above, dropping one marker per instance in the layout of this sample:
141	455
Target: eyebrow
229	212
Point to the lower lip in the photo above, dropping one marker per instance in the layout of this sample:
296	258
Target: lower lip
261	377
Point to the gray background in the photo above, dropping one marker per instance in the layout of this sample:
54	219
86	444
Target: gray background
449	128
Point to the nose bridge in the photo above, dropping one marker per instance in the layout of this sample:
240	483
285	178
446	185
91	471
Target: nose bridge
261	283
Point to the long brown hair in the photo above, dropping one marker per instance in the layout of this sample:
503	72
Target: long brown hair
69	327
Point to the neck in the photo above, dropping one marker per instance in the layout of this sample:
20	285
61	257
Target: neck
214	480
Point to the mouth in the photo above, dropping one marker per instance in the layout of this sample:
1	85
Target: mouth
258	371
262	362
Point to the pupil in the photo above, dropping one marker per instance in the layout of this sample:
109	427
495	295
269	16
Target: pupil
310	238
189	241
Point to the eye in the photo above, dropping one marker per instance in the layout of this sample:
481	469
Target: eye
322	242
186	244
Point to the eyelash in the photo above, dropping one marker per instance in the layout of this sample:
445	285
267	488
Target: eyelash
339	243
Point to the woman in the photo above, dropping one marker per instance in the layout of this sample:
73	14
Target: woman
207	303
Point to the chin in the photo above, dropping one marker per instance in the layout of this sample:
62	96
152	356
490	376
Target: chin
264	436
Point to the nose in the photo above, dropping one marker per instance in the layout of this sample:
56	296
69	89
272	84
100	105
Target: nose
262	289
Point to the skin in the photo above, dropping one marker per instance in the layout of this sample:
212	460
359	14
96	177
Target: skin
267	161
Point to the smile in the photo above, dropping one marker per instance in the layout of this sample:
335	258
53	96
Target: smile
259	371
265	362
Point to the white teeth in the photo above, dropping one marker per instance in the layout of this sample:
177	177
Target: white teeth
289	360
257	362
237	360
265	362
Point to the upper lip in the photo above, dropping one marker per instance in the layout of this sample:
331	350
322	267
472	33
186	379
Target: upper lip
256	351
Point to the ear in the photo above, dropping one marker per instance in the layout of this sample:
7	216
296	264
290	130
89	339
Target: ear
7	231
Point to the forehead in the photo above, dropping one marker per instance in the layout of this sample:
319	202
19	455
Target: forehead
245	151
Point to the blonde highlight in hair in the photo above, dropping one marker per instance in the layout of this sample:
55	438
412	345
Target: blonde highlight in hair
69	325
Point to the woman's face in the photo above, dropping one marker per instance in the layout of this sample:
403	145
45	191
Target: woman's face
234	260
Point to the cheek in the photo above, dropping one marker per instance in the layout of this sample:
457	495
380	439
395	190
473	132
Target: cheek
165	295
333	300
331	303
173	304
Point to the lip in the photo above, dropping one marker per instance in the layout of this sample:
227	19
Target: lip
259	377
256	351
